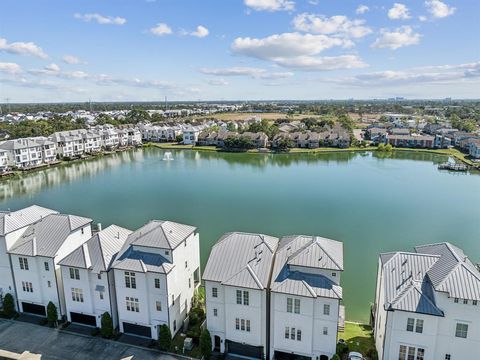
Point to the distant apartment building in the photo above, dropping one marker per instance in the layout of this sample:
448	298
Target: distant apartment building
156	273
88	282
305	298
427	304
237	277
35	258
413	141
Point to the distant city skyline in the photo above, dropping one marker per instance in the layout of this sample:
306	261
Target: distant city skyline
144	50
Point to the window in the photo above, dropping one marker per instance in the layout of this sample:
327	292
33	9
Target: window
248	325
420	354
174	325
297	306
47	268
82	231
326	309
410	324
242	326
411	353
74	273
289	305
23	263
287	332
158	305
99	276
402	353
239	297
101	295
461	331
246	298
325	330
157	283
214	292
334	274
299	335
186	264
130	281
167	252
215	312
49	284
237	324
77	294
448	357
292	334
189	283
465	301
455	300
419	326
132	304
27	286
475	302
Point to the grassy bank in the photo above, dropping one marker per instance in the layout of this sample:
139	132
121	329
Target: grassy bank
359	337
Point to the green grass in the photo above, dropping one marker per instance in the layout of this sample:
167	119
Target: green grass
177	347
359	337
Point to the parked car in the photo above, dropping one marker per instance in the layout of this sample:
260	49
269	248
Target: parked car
352	355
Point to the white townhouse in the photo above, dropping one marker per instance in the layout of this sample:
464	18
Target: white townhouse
92	142
4	163
12	225
64	143
156	273
22	153
305	298
48	148
190	135
427	305
236	279
35	256
88	283
122	137
134	137
110	138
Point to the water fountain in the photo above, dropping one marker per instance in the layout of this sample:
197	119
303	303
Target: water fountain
167	156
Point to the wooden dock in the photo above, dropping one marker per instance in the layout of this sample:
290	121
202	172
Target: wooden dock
452	166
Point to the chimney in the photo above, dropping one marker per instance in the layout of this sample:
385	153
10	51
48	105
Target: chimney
88	261
99	227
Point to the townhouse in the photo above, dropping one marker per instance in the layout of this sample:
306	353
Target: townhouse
92	142
305	298
23	153
48	149
88	283
64	144
134	136
35	258
236	279
156	273
12	225
190	135
418	141
427	304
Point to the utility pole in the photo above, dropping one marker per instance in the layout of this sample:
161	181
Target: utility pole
166	104
7	100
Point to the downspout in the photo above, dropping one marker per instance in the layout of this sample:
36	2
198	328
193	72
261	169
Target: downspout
56	286
268	298
14	282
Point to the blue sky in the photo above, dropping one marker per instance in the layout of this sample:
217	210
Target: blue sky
115	50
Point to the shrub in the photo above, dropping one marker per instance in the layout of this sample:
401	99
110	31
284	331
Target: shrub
381	147
8	305
107	325
206	344
197	315
164	338
335	357
372	354
388	147
342	349
95	331
52	314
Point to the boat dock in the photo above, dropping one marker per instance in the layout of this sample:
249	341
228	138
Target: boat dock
453	166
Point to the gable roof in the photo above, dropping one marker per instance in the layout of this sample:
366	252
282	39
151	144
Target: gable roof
307	252
99	251
454	273
13	220
242	259
46	236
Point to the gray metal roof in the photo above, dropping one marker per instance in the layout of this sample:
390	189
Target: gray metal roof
406	286
99	251
242	259
46	236
12	221
301	251
453	273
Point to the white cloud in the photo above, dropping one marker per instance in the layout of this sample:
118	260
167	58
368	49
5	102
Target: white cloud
161	29
201	32
10	68
400	37
338	24
277	75
233	71
362	9
299	51
399	12
270	5
22	48
52	67
101	19
422	18
73	60
439	9
218	82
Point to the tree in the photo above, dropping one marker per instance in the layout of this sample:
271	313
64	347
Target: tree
52	314
381	147
107	325
231	126
388	147
8	305
284	143
206	344
164	338
335	357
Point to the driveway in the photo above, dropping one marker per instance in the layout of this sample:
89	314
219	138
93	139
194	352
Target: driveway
55	344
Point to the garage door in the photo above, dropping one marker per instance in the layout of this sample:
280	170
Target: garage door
244	350
83	319
137	330
34	309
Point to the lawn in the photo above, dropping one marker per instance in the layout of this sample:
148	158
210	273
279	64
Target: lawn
358	337
177	347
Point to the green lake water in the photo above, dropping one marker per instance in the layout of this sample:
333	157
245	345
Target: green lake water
371	203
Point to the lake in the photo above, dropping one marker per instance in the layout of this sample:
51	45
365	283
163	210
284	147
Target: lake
372	202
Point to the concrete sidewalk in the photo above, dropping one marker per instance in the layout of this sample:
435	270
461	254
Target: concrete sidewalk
55	344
